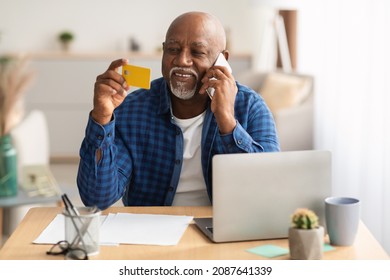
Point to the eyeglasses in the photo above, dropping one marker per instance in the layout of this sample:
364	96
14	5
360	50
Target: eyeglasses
64	248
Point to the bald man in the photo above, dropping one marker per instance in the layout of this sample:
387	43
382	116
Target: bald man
154	147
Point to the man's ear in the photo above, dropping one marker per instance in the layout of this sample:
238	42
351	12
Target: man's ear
226	54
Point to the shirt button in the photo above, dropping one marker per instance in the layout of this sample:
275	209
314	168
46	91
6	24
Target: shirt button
109	134
170	189
99	137
177	161
239	142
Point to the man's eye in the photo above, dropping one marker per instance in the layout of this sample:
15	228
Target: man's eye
198	53
173	50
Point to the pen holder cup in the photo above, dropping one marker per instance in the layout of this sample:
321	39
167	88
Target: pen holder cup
83	230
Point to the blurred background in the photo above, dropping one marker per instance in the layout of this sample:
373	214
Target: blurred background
327	60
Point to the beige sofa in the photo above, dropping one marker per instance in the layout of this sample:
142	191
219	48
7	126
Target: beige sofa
290	97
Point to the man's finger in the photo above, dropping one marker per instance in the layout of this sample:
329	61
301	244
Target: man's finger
117	63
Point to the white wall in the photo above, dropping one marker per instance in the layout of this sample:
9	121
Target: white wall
101	25
344	44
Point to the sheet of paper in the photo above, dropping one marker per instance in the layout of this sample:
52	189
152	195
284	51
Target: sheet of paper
127	228
144	229
55	231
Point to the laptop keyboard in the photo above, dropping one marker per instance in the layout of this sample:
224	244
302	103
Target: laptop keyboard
210	229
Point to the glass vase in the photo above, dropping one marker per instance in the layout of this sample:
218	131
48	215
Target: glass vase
8	167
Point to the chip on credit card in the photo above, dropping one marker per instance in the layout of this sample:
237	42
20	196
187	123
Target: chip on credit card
136	76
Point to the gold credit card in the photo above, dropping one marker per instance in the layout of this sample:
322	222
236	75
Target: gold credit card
136	76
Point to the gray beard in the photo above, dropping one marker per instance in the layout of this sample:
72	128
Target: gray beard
181	92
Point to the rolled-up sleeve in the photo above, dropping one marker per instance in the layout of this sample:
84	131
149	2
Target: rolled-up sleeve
98	181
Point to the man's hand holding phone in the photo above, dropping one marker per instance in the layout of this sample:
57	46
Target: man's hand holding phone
221	61
221	87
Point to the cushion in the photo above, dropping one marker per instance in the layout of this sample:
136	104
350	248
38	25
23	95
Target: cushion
283	90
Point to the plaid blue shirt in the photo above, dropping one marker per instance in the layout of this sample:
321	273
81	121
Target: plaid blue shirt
142	148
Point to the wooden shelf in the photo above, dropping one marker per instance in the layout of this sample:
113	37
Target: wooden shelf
62	55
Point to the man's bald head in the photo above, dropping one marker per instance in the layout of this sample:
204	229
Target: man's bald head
211	26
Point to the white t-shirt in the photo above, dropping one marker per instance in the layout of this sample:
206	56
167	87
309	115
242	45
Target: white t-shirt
191	189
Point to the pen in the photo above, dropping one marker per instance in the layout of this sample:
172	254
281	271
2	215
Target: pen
69	206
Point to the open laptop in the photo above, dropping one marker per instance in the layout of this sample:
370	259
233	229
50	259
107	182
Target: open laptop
254	195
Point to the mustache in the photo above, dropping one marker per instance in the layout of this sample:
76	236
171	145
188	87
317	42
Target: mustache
183	70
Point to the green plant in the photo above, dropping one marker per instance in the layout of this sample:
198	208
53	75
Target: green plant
65	36
304	218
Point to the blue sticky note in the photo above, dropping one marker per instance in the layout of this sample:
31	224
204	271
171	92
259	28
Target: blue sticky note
327	247
269	251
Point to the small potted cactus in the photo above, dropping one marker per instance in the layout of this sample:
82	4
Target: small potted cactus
305	236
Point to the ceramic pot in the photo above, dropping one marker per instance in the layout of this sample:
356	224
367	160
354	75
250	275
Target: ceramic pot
306	244
8	167
66	45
